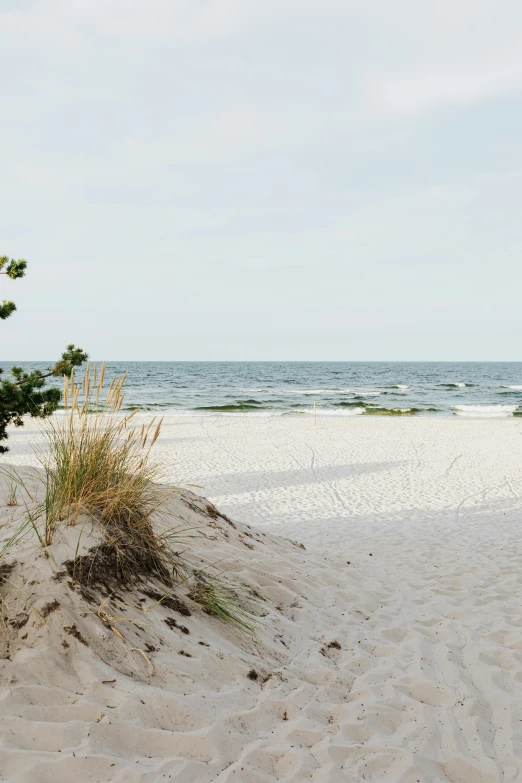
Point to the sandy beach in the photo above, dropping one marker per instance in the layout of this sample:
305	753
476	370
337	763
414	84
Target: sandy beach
390	649
261	392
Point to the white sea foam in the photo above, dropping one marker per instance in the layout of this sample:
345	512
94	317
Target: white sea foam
368	393
334	411
249	414
401	386
205	413
457	385
485	410
312	391
513	388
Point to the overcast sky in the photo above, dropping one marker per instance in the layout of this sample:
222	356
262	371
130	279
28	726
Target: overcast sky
262	179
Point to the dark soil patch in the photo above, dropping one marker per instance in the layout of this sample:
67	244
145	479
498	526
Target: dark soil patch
209	510
212	512
73	631
330	646
122	565
227	519
6	570
19	621
46	610
171	622
169	602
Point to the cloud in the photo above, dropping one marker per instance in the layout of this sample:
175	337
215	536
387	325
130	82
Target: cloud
66	22
316	153
222	137
430	89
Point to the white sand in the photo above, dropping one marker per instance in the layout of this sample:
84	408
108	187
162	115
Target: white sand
413	565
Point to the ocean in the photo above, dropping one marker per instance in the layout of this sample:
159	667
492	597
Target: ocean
472	389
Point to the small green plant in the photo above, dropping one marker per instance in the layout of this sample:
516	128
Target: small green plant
219	600
11	498
21	531
32	515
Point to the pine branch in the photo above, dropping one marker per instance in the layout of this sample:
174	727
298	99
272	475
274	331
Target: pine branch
6	308
14	269
24	395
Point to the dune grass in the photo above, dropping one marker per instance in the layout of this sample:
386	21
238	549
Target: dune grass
97	462
97	466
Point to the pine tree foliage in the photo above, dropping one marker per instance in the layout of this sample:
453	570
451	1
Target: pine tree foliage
13	269
23	393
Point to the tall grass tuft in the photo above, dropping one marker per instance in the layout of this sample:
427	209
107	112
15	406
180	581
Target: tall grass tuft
98	463
11	496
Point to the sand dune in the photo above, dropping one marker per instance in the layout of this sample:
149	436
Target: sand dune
389	650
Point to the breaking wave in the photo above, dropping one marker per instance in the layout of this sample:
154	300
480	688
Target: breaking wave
489	411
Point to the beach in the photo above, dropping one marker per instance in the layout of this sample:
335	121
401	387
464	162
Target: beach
261	392
401	618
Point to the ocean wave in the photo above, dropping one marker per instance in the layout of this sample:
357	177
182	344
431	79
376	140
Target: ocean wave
334	411
314	391
512	388
150	406
233	408
401	386
260	414
253	391
391	411
484	410
355	403
454	385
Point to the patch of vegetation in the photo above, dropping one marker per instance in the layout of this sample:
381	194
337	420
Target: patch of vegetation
219	600
97	464
11	496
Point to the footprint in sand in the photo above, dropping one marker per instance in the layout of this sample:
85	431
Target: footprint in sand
427	693
395	634
459	771
500	658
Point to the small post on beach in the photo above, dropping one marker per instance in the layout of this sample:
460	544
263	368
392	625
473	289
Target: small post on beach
315	415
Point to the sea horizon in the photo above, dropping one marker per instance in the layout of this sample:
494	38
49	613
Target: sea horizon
323	388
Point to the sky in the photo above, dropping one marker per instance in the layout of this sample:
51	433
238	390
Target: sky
262	179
